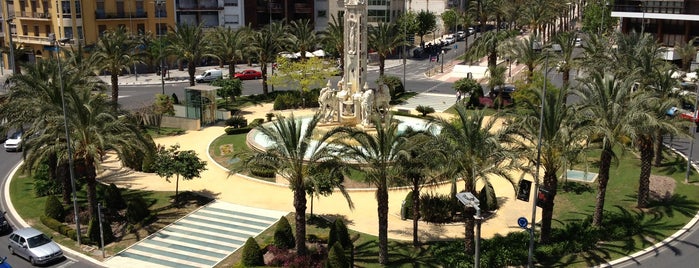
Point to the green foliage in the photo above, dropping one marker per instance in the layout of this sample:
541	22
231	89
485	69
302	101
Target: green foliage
302	75
424	110
252	254
60	228
113	199
234	131
93	231
256	122
450	17
409	205
342	233
394	84
438	208
172	161
283	235
295	99
54	209
236	121
469	86
487	198
528	92
163	105
269	116
43	184
336	257
137	210
262	171
229	88
426	23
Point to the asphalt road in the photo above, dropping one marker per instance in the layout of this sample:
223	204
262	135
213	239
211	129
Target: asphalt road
7	163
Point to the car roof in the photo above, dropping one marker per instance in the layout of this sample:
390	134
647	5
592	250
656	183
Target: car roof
27	232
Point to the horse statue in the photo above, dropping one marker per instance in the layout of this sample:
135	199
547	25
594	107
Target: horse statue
328	102
367	104
382	99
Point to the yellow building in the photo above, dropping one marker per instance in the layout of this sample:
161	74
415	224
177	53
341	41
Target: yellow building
31	21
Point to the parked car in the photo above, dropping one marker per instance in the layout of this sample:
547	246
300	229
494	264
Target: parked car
34	246
506	93
248	75
460	35
14	141
449	39
209	76
578	42
4	225
471	30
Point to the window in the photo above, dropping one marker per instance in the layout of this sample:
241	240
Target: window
78	11
161	29
322	13
80	32
231	19
36	30
230	3
101	29
68	32
47	29
65	7
25	29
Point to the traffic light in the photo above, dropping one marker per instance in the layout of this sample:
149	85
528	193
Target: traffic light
524	190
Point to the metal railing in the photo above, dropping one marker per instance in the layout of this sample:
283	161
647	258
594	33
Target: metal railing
34	15
101	15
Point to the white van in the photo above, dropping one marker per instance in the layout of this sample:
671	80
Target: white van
208	76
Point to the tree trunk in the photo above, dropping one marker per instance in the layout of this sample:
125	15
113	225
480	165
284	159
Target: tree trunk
566	78
300	208
382	65
469	223
551	185
64	173
646	148
87	169
602	179
115	88
382	199
231	69
263	69
416	212
192	70
658	149
177	187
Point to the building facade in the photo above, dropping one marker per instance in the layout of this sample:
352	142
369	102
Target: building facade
670	21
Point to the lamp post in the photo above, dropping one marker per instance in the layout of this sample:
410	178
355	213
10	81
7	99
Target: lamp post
52	39
442	68
159	3
538	163
509	68
643	19
694	132
11	59
470	201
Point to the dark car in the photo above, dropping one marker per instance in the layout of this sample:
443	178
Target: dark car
506	93
4	225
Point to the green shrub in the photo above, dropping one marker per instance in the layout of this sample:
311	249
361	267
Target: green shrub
236	121
59	227
252	254
256	122
283	235
43	185
54	209
113	198
336	257
262	171
234	131
137	210
409	213
93	231
488	200
424	110
269	116
394	84
286	101
437	208
342	233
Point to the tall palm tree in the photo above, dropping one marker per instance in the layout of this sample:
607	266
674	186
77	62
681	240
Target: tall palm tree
560	143
664	88
229	45
426	22
334	35
384	39
687	52
293	156
605	102
302	37
376	154
265	45
488	45
188	43
466	19
476	151
524	51
19	50
565	58
114	54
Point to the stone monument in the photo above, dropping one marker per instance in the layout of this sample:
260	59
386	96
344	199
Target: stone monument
355	54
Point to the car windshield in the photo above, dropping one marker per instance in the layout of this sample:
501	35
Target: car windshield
38	241
15	135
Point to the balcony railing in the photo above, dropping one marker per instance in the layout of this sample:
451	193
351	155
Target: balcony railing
33	15
100	15
303	8
185	7
30	39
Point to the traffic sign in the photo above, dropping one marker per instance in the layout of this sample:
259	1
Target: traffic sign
522	222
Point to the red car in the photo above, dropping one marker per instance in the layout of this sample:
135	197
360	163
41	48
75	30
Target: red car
248	75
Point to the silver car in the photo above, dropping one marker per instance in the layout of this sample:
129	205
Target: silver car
34	246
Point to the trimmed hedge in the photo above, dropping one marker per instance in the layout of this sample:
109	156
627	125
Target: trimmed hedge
252	254
283	235
61	228
336	257
137	210
54	209
113	198
93	231
241	130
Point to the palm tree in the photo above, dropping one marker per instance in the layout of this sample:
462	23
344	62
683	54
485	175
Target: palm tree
605	102
426	23
229	44
687	52
302	37
525	51
560	143
488	44
265	45
334	35
19	50
114	53
466	20
188	44
565	58
376	155
476	151
664	88
384	39
294	157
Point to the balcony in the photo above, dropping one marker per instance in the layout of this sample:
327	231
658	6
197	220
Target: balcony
33	15
101	15
30	39
303	8
272	6
200	7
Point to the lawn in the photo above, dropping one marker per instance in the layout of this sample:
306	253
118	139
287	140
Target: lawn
30	209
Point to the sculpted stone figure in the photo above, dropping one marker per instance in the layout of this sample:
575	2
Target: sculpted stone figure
328	102
367	104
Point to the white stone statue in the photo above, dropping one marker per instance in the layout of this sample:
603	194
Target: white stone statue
367	104
382	98
352	21
328	103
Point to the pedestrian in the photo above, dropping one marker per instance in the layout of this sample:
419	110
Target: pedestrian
458	96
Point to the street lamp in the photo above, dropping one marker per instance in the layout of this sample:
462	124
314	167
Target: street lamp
691	141
159	3
442	69
12	46
509	69
52	39
470	201
538	163
643	18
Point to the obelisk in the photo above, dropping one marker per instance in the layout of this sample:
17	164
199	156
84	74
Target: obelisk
355	44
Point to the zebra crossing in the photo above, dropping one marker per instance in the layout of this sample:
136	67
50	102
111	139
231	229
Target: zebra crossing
201	239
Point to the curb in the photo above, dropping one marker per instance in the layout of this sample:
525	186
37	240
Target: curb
24	224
